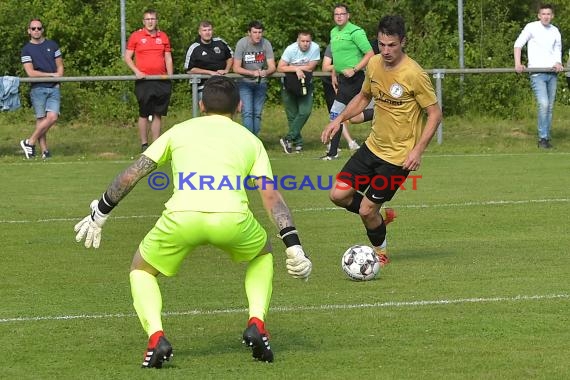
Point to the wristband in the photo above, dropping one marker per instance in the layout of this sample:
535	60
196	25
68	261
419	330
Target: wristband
105	205
289	236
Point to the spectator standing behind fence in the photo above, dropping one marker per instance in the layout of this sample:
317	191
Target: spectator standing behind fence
254	59
152	56
208	55
330	87
368	113
42	58
298	62
544	51
351	51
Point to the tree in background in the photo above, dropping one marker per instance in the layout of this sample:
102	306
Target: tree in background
89	35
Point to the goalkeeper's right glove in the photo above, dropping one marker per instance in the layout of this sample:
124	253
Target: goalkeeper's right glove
298	264
90	226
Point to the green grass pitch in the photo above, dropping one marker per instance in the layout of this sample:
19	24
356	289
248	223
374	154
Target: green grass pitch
478	286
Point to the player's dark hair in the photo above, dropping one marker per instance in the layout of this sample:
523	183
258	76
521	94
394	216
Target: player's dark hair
392	26
255	24
220	95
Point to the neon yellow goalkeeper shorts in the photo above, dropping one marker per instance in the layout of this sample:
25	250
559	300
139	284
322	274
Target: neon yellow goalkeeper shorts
176	234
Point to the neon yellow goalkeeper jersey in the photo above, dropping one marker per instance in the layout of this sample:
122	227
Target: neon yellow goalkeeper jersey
214	160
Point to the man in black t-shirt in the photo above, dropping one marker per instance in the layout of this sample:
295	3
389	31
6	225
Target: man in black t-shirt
208	55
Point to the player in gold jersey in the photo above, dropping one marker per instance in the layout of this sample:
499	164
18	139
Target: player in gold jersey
402	92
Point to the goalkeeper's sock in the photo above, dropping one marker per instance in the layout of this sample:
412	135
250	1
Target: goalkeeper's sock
147	300
259	285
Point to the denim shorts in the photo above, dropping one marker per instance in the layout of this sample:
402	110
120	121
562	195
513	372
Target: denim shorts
45	99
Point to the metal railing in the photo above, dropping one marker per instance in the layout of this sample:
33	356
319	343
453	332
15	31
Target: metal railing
438	75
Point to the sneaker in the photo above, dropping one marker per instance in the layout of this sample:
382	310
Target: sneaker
158	351
326	157
287	145
298	149
29	150
258	339
144	147
388	214
353	145
544	144
46	155
382	254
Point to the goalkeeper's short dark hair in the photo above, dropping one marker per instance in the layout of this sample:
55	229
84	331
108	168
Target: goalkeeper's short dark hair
220	95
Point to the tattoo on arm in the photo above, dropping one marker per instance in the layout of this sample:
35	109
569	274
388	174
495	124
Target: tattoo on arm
274	203
281	215
126	181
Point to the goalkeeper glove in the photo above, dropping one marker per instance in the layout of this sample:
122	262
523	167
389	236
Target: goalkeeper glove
298	264
90	227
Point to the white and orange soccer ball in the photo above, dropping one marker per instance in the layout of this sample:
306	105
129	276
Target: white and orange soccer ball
360	263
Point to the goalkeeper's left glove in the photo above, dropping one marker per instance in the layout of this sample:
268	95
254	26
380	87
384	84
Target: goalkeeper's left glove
298	264
90	226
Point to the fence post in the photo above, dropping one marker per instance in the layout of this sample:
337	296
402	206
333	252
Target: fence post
438	75
194	80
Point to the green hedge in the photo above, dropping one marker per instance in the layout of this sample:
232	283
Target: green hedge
88	32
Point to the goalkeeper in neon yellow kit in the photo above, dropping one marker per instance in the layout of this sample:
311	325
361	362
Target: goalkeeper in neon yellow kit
220	217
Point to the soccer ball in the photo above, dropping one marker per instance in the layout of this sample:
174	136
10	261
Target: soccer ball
360	263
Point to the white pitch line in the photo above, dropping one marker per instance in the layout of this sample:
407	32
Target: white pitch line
281	157
313	209
287	309
49	220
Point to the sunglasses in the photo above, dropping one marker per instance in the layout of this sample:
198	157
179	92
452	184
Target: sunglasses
34	28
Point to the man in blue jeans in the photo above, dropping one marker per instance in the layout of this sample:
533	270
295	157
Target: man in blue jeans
42	58
544	51
254	59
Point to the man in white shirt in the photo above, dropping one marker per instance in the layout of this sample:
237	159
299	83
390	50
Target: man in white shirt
544	51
